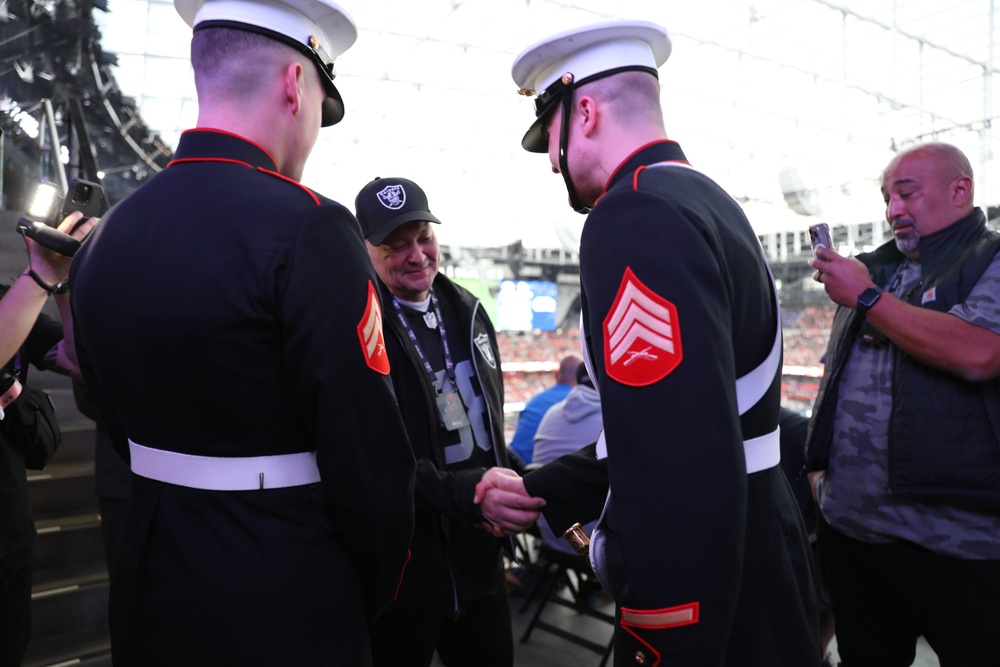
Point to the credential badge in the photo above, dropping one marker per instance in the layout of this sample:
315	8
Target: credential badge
483	343
392	197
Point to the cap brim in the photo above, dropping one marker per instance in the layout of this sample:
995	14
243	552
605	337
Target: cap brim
534	140
333	107
378	235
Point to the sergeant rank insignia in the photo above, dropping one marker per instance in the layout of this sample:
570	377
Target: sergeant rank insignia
370	335
642	336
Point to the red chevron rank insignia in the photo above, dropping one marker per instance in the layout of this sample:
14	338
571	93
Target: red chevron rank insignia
370	334
642	337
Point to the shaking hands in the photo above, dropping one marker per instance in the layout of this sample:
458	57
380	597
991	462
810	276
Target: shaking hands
505	503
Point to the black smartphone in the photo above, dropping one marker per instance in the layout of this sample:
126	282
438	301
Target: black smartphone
44	214
819	235
83	196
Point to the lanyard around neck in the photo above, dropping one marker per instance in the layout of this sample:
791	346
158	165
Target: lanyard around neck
448	363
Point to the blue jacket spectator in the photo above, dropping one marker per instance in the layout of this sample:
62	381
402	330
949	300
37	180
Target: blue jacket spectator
523	442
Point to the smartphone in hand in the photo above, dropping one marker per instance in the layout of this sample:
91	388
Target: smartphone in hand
819	235
46	212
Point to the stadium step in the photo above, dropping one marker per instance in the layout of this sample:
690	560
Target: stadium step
69	598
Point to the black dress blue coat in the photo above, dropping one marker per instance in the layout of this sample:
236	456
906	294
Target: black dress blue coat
720	556
217	313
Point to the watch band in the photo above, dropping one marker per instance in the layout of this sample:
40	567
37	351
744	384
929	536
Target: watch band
60	287
867	299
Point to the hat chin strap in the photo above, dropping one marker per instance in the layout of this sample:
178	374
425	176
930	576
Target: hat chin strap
567	107
567	104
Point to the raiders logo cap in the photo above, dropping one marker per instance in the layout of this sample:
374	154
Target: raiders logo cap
320	29
575	57
386	203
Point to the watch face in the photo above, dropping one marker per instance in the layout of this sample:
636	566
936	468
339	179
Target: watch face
867	299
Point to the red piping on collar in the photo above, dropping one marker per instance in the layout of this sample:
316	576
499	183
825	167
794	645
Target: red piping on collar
630	156
292	181
184	160
635	176
231	134
244	164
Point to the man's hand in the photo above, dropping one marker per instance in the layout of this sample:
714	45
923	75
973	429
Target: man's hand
844	278
505	502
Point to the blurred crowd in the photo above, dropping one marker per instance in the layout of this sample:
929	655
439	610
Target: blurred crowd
806	334
530	357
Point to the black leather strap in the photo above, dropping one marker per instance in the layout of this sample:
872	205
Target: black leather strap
59	288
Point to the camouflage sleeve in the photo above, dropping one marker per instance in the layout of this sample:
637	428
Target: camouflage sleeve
982	306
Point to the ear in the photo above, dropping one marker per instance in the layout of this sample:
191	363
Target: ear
587	112
293	86
961	190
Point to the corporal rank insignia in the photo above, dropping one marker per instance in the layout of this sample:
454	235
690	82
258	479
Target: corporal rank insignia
642	337
483	343
370	334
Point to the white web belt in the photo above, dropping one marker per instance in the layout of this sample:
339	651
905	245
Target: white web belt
224	473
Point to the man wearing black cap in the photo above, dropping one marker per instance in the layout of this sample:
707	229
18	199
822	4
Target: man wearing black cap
699	541
442	349
230	329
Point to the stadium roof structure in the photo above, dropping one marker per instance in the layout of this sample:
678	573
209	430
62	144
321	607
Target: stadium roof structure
794	106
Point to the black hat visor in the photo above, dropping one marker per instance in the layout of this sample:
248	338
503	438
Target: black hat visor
378	235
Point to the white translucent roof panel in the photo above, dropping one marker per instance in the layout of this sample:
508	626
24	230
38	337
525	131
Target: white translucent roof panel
825	88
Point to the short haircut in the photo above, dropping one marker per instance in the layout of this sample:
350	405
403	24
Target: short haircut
634	96
231	64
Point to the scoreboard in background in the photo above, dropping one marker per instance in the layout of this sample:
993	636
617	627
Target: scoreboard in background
526	305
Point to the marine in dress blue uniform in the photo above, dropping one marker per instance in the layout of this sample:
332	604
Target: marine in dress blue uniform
699	540
229	325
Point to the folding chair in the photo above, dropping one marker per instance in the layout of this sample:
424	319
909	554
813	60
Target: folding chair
557	569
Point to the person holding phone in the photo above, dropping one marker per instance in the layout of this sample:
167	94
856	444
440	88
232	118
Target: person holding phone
28	337
40	220
902	444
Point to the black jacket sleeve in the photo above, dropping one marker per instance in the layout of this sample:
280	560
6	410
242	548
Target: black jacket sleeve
574	487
